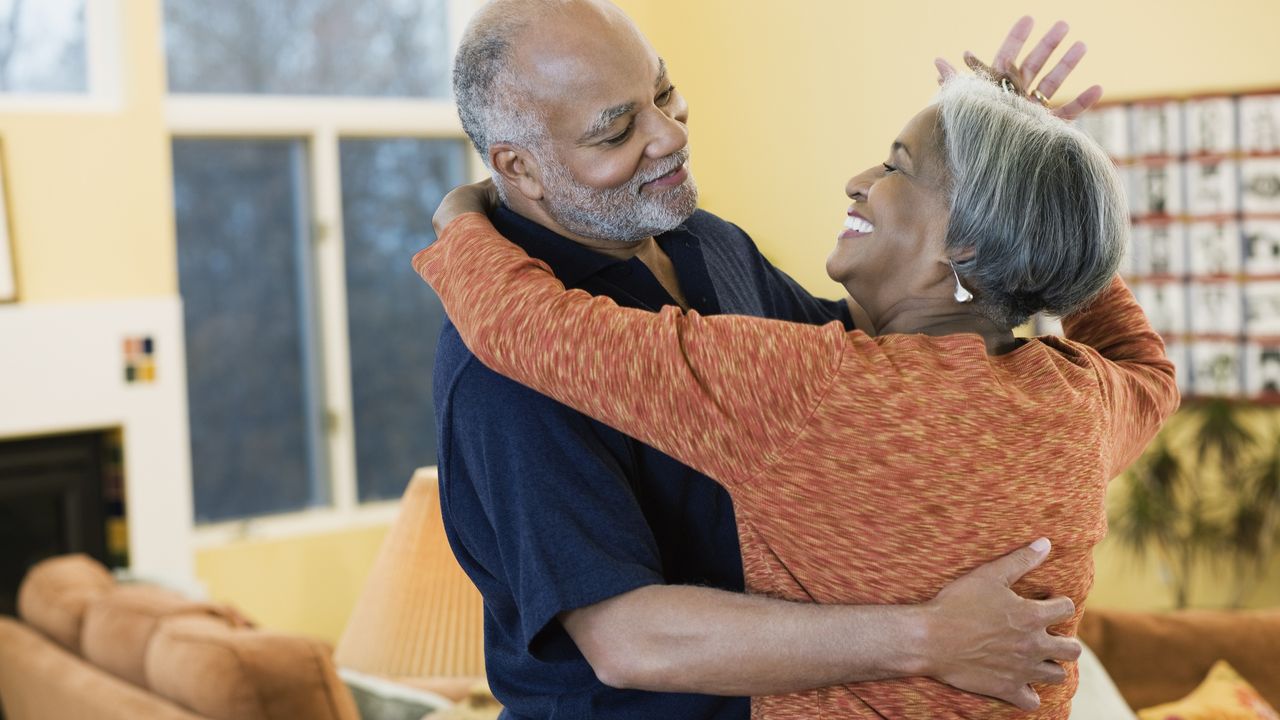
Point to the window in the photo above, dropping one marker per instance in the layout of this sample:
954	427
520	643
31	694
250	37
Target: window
312	140
390	188
59	55
394	48
244	269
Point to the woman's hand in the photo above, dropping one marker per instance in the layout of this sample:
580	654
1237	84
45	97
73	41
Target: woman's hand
481	197
1004	69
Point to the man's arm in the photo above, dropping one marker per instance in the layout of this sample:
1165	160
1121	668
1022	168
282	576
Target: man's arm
977	635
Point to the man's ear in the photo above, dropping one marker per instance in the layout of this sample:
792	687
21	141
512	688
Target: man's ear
518	168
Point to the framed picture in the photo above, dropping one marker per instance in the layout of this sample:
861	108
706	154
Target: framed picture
1260	123
8	273
1215	248
1262	247
1263	369
1211	126
1216	368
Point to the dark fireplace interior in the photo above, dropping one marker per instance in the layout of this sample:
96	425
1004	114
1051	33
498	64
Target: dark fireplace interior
59	494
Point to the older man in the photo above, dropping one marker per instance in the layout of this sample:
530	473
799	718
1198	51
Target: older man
611	573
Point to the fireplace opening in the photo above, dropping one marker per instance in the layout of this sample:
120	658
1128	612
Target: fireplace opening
60	494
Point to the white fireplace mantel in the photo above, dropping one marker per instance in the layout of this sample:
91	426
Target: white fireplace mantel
62	369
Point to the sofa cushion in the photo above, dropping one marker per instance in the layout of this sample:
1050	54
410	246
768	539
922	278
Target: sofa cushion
55	593
230	673
1223	695
1159	657
119	624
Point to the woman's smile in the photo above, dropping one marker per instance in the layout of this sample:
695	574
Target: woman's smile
855	225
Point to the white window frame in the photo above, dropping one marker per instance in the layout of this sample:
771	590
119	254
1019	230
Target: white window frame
321	123
104	66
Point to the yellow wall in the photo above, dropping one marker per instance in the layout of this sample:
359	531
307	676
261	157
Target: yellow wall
306	585
92	211
789	99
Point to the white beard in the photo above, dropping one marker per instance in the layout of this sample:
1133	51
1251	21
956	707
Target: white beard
623	214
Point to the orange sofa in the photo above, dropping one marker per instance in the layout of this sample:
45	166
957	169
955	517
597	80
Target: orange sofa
85	647
1155	658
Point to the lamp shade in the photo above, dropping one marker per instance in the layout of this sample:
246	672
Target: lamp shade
418	616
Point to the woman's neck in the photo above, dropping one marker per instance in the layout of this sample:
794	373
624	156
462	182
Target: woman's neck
945	318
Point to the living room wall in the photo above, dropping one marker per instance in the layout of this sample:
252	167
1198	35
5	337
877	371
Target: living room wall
91	192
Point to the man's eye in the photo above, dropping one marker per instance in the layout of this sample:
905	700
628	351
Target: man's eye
665	97
619	138
889	168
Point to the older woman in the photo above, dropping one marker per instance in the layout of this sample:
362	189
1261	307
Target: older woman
933	435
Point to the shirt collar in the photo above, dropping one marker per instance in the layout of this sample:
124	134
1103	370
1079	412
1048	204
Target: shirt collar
572	262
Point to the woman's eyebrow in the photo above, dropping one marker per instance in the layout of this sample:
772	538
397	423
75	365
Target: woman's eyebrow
898	145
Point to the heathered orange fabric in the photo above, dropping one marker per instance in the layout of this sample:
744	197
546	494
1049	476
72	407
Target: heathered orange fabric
863	470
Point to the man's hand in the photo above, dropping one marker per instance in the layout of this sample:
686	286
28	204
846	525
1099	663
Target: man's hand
477	197
1005	67
985	639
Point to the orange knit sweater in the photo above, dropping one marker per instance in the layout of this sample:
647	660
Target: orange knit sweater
863	470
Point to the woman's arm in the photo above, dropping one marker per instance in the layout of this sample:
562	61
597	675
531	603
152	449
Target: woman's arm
1140	383
721	394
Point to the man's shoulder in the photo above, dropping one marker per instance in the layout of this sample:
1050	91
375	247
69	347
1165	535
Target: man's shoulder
703	222
467	391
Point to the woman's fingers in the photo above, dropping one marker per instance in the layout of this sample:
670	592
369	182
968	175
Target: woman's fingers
1051	82
1012	45
1039	55
1083	102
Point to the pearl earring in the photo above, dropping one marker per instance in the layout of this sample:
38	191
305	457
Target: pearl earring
962	295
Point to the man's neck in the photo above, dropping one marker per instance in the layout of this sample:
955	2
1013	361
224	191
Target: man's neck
647	250
612	248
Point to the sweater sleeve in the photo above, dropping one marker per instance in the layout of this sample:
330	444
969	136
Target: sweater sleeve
1138	380
722	394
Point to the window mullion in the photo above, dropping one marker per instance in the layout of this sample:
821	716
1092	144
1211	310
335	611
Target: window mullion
332	299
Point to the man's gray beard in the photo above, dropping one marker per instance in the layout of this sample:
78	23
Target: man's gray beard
622	214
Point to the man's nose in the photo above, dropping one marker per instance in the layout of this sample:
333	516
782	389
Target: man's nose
669	137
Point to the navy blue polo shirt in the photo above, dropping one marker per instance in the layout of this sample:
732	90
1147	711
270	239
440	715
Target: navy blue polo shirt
549	511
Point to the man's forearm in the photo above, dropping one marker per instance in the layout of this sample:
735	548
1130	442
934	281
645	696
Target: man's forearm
671	638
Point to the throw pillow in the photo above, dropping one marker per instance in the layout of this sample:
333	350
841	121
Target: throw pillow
379	698
1223	695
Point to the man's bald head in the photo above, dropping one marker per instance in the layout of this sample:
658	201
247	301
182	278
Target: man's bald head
494	104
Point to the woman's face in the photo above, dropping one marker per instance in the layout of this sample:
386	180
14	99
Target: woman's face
892	248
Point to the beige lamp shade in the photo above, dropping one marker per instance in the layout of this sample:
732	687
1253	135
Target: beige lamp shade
418	615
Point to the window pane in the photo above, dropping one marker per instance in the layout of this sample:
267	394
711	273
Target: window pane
42	46
308	47
245	278
390	190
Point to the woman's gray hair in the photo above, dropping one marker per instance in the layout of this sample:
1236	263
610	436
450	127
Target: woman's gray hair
1039	204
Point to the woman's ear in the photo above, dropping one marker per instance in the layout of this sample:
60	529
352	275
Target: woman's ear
518	168
961	256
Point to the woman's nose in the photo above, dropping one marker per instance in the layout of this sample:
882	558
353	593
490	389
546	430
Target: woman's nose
859	186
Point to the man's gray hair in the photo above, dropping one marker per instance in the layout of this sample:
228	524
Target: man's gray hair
1041	205
491	105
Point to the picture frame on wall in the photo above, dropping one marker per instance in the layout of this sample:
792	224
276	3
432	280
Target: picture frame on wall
8	269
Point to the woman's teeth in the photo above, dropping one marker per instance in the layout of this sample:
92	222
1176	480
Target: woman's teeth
858	224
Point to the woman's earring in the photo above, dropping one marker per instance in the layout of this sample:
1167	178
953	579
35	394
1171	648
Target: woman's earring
962	295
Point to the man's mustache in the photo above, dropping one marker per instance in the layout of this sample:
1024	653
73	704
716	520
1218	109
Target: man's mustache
668	165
